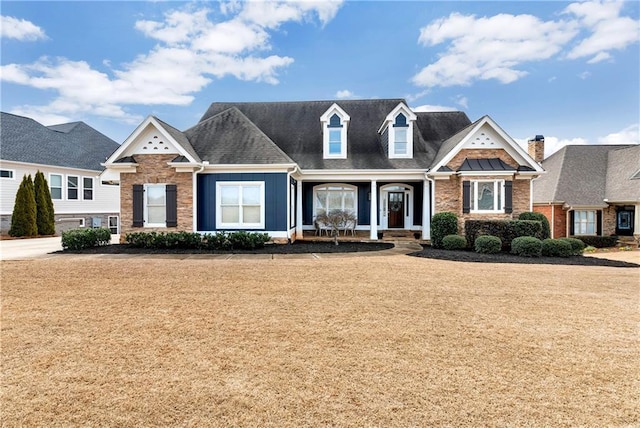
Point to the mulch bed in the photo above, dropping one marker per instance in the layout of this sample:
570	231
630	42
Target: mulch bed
297	247
472	256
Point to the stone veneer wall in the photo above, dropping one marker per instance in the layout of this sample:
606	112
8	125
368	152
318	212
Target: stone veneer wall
154	169
609	221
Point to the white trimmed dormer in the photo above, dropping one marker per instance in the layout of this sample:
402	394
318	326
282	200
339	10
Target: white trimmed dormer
399	132
335	123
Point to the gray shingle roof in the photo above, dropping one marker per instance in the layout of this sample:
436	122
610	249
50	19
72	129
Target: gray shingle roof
452	140
295	128
623	178
180	138
230	138
576	175
71	145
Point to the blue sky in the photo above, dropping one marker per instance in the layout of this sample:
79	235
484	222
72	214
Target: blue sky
568	70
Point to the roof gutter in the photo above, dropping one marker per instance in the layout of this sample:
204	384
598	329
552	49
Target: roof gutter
289	174
194	192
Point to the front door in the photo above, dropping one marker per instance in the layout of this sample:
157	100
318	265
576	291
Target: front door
624	223
396	210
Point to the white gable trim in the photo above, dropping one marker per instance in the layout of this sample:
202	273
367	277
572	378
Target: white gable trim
132	140
344	120
400	108
513	149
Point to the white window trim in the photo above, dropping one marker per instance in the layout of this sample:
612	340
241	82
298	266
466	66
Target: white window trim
61	198
145	205
392	139
240	225
498	189
595	223
78	188
13	174
344	121
325	185
93	188
117	223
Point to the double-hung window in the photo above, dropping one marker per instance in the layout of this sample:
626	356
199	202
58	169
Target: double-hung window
240	205
55	186
335	122
486	196
584	222
155	205
87	188
400	141
72	187
335	135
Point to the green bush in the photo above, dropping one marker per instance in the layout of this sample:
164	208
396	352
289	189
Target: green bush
488	244
45	214
506	230
189	240
526	246
23	219
598	241
443	224
454	242
80	239
529	215
577	246
556	248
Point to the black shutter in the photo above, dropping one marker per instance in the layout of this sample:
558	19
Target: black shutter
572	223
466	197
508	197
599	222
172	205
138	205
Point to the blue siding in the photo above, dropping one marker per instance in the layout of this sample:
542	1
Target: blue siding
275	188
364	207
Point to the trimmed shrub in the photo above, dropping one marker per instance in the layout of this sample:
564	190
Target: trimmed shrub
506	230
454	242
577	246
23	219
443	224
45	215
488	244
190	240
529	215
526	246
556	248
598	241
80	239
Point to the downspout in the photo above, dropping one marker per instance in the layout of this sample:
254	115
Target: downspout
195	195
289	174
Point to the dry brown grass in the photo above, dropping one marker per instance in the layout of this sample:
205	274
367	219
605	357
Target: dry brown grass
368	341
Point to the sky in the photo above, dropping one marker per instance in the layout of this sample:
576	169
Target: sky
567	70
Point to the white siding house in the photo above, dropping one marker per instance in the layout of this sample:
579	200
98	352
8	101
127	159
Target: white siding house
69	156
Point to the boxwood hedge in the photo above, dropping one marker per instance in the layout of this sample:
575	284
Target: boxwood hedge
488	244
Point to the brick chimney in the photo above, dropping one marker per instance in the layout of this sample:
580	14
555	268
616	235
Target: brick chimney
536	148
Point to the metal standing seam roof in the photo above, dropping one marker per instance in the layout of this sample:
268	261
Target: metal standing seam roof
493	164
70	145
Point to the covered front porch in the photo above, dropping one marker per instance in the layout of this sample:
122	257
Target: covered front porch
387	206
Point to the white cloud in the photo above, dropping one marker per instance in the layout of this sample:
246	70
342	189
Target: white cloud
584	75
191	51
345	94
553	144
462	101
489	47
20	29
496	47
432	108
629	135
609	30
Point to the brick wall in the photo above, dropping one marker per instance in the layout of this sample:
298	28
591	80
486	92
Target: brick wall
609	221
154	169
557	218
458	159
448	197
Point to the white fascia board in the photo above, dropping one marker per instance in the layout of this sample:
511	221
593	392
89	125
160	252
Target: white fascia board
150	120
515	146
216	168
335	108
362	175
411	116
445	160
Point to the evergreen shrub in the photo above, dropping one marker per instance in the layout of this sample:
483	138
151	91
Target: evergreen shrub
556	248
529	215
577	246
45	215
443	224
526	246
454	242
488	244
23	219
598	241
80	239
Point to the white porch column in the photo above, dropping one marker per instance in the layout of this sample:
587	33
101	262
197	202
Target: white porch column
299	209
373	235
636	221
426	211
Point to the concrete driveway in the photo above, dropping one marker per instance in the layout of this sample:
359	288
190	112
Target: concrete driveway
20	249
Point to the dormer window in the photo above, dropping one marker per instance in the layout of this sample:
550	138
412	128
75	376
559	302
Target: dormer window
335	122
399	135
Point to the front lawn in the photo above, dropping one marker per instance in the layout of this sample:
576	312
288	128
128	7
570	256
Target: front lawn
364	341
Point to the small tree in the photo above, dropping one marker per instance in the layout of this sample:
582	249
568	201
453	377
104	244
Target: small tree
45	216
337	220
23	219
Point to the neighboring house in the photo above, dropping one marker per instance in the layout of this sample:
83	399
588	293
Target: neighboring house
69	156
273	167
591	190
